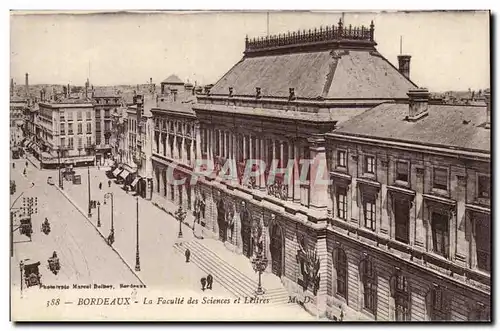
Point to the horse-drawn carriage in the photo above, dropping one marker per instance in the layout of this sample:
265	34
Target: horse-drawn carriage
31	274
54	264
46	226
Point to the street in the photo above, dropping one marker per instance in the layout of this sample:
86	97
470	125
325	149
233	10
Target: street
85	255
84	258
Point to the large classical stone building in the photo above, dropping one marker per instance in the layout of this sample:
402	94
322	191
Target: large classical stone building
391	233
410	227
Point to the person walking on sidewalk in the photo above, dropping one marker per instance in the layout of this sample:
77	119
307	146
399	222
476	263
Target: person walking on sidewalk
210	281
100	186
187	254
109	183
26	164
203	283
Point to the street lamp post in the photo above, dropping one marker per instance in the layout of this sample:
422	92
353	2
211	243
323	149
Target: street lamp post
111	237
180	214
259	261
137	257
90	201
98	214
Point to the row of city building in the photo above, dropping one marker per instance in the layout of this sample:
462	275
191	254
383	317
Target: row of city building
402	230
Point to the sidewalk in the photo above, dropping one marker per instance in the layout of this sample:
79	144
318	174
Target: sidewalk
160	265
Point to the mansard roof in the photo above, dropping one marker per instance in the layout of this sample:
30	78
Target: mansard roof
172	79
456	127
331	63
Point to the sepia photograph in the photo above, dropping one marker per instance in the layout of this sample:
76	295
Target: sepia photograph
307	166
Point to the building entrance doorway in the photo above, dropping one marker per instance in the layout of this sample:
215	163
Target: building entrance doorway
276	248
246	233
221	221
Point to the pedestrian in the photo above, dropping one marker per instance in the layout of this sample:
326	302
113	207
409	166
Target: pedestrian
24	172
210	281
13	165
26	164
203	282
187	254
109	183
100	186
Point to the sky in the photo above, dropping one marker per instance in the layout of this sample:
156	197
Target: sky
450	50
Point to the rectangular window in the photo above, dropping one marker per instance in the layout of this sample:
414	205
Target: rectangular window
483	241
70	142
88	116
341	159
98	126
341	268
369	211
61	117
402	171
440	234
483	187
402	219
369	164
63	142
107	113
89	141
70	128
98	139
106	126
80	131
402	308
341	202
440	179
80	145
89	127
63	129
79	115
106	140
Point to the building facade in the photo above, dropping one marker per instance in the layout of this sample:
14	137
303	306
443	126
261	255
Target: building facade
66	133
410	226
106	103
369	198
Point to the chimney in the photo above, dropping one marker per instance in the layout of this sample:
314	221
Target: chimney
418	103
151	81
27	86
69	93
404	65
12	87
487	98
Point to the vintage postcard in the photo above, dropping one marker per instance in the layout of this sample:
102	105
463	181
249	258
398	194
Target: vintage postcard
250	166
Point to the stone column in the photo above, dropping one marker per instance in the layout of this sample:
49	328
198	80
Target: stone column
198	145
318	187
290	172
167	142
296	173
244	147
262	176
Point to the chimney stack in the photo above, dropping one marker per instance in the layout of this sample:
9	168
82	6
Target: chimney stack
487	98
404	65
27	86
418	103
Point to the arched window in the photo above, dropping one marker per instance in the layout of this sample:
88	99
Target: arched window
437	304
401	294
340	261
368	279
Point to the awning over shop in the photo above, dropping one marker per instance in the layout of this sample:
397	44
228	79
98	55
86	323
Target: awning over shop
124	174
116	172
134	183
